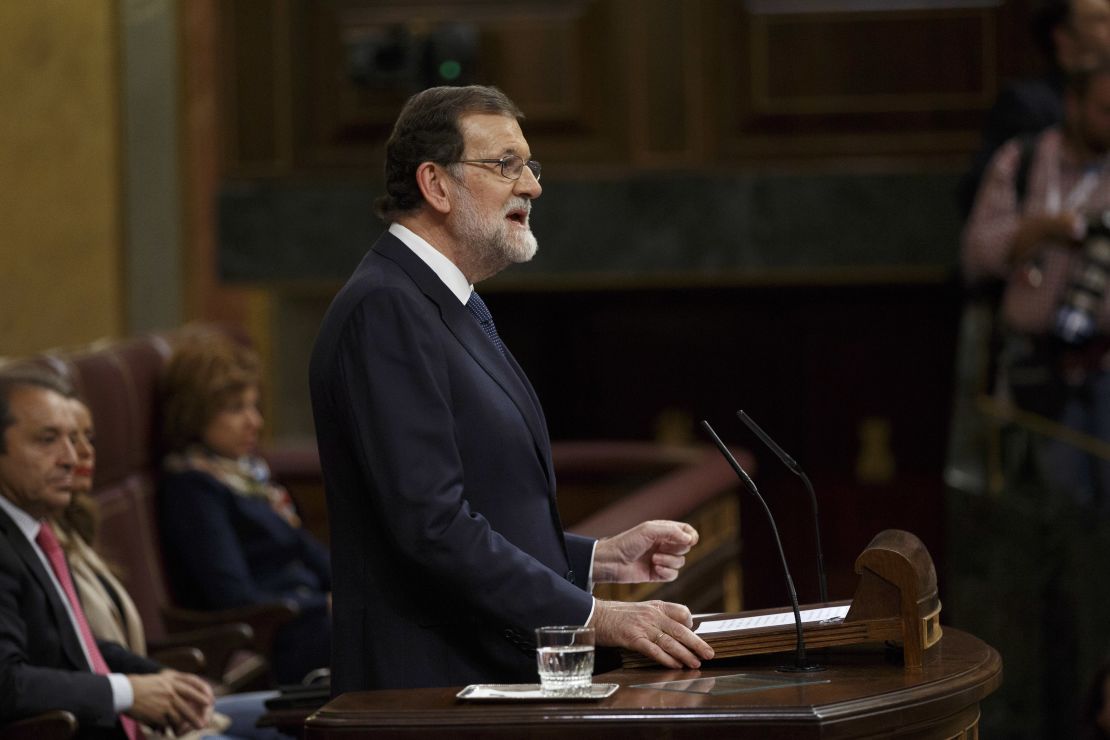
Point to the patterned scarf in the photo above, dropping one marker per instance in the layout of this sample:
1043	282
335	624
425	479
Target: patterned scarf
248	476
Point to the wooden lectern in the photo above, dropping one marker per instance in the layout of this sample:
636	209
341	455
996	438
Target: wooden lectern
896	600
861	694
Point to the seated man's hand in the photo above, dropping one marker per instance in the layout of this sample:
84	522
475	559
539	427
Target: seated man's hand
171	699
658	629
651	551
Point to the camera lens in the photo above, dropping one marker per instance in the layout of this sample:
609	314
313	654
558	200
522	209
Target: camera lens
1076	317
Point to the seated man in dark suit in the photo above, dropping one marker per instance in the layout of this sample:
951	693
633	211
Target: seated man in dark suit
48	657
447	546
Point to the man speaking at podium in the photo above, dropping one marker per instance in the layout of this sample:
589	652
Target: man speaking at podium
446	541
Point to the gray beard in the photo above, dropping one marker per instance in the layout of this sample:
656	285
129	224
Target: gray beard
492	243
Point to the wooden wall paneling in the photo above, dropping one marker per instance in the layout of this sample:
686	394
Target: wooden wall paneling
205	134
664	82
550	57
597	134
252	35
558	64
854	83
538	63
617	82
286	63
886	62
346	118
1017	53
556	67
345	122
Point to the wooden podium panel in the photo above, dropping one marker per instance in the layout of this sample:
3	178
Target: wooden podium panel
862	694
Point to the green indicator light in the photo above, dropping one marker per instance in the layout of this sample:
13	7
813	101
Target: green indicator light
450	70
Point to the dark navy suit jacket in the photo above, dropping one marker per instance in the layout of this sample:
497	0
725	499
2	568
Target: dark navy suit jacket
42	666
447	549
225	550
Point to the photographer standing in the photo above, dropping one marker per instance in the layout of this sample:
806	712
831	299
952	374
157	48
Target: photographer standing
1038	224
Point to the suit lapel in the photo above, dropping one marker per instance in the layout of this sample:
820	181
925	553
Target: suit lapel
70	641
502	368
545	439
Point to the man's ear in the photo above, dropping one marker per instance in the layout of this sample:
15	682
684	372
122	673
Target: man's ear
432	180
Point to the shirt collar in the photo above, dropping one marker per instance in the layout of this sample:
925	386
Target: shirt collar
445	269
27	524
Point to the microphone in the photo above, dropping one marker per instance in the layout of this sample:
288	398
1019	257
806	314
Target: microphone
800	662
795	468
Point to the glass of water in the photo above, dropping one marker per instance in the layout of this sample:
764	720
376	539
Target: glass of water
565	659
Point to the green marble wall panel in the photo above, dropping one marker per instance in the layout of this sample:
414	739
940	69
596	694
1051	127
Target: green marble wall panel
697	225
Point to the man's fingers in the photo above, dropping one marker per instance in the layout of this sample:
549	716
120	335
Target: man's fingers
674	644
693	534
188	713
678	651
671	547
683	533
199	684
197	695
190	698
665	567
658	629
663	574
665	560
674	536
691	641
670	650
677	612
651	648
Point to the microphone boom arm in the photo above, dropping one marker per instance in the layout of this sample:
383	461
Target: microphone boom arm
800	662
822	581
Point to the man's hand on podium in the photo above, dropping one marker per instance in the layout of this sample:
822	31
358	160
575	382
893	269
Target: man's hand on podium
658	629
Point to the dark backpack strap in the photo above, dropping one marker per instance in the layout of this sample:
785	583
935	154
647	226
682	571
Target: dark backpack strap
1025	163
989	293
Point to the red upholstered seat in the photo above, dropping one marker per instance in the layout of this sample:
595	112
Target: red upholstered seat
127	539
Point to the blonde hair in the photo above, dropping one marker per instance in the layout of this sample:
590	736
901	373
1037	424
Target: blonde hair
206	372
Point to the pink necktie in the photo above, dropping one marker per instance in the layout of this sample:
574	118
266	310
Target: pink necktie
48	541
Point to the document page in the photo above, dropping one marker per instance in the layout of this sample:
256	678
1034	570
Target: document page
711	626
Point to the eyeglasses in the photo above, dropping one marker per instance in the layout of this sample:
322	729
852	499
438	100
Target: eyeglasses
512	166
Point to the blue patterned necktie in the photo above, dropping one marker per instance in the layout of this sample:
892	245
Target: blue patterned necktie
477	307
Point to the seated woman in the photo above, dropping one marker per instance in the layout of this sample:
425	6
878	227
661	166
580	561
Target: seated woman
232	536
108	607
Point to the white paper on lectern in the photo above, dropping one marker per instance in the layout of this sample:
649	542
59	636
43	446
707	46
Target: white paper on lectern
771	620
